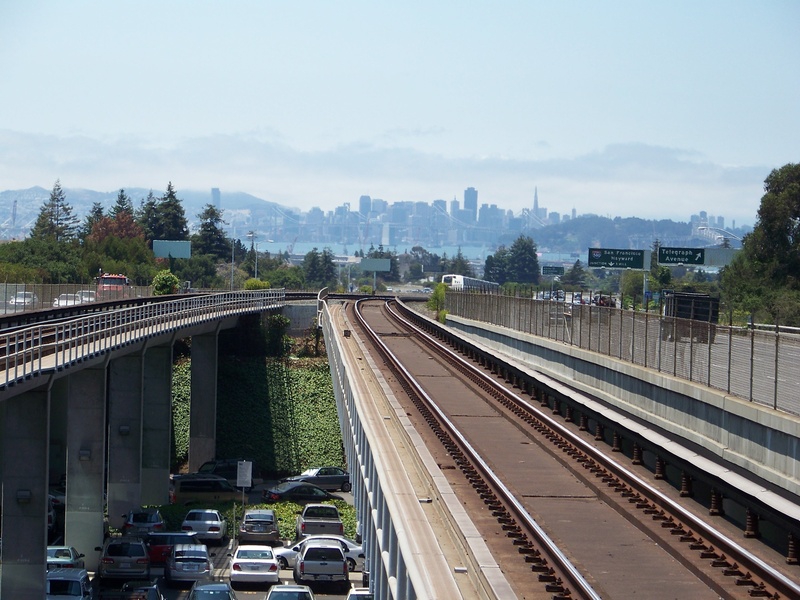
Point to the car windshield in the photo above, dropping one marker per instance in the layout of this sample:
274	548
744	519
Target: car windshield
145	518
267	518
125	550
58	553
202	516
262	554
62	587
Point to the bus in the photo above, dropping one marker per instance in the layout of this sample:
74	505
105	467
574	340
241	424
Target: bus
462	283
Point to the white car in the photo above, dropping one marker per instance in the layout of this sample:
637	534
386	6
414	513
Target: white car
253	564
353	552
290	592
66	300
23	300
209	524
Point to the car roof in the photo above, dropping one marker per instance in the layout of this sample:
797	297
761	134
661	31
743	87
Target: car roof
319	543
59	573
259	511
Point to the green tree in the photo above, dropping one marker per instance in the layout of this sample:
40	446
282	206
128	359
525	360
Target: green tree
171	222
123	204
165	283
496	266
765	276
575	275
94	216
210	237
147	217
319	268
56	220
458	265
523	262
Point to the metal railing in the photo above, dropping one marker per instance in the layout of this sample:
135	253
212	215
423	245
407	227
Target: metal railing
756	365
54	345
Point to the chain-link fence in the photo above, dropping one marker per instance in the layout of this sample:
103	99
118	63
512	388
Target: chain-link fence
19	297
760	366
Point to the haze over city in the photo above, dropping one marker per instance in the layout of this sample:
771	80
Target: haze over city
619	108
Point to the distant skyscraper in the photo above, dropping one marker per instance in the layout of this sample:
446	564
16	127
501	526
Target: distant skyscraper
454	206
216	199
364	206
536	201
471	201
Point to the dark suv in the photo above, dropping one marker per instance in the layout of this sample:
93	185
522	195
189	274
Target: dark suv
203	488
229	469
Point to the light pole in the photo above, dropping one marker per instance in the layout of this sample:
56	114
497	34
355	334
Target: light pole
233	249
254	246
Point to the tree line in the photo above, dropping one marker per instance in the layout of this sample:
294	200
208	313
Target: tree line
762	282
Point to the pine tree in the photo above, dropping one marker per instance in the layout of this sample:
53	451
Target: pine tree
122	204
56	220
210	238
94	217
172	224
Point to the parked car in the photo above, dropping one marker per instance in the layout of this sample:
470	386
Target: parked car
209	524
160	543
142	521
188	562
123	558
353	551
363	593
229	469
87	296
253	564
220	590
68	584
318	519
66	300
259	526
297	491
142	590
290	592
202	488
328	478
320	561
23	300
64	557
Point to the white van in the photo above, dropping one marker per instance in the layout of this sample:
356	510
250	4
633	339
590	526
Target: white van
68	584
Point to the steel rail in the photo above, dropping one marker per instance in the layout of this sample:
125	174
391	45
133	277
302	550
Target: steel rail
732	550
572	576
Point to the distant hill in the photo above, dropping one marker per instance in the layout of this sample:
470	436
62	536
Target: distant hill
238	207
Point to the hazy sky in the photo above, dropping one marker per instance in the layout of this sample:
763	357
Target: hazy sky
651	109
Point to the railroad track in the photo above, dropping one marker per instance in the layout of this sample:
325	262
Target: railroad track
709	557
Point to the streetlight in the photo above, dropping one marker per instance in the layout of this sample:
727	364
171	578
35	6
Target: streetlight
254	245
233	249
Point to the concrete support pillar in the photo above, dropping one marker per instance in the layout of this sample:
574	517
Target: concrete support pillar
86	452
24	439
203	416
156	424
59	393
124	437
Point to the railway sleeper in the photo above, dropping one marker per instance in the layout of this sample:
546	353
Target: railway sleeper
549	576
556	586
761	591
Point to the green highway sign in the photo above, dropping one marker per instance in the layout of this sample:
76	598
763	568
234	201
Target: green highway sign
616	258
681	256
551	270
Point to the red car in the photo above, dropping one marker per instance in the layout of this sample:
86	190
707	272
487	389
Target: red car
159	544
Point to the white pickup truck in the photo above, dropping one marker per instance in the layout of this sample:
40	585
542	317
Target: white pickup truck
322	561
319	519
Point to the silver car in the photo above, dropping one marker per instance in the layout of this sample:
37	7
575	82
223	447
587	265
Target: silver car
188	562
259	526
123	558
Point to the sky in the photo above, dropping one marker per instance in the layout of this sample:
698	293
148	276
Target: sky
619	108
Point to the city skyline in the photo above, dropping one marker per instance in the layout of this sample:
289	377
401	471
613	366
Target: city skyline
621	109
